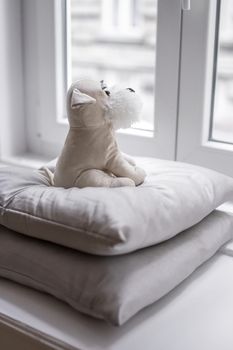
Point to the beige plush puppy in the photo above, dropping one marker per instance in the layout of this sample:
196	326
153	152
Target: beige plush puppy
90	156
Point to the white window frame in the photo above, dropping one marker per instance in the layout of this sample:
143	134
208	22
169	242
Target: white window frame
45	77
46	133
196	84
12	121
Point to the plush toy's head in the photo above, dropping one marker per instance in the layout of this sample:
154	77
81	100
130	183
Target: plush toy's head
91	103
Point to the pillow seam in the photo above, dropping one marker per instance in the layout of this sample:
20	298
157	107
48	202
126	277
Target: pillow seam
91	233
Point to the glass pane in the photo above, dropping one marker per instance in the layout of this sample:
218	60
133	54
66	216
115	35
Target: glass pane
114	40
222	128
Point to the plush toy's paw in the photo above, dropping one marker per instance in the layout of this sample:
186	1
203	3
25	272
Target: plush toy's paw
99	178
140	175
122	182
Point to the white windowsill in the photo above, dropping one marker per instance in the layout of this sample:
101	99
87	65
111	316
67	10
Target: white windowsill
27	160
223	146
136	132
129	131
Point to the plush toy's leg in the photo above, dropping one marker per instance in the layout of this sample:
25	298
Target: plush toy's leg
98	178
120	167
128	158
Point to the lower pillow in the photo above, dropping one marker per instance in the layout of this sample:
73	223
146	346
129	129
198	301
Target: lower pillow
112	288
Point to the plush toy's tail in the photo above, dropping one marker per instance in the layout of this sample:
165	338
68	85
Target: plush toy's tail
44	171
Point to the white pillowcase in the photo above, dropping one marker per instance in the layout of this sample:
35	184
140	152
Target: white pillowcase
112	288
109	221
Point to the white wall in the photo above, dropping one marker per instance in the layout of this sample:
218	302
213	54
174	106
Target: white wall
12	121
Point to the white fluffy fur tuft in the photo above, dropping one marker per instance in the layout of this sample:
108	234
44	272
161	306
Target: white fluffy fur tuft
124	108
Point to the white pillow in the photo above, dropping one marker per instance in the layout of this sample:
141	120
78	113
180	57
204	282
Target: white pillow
112	288
109	221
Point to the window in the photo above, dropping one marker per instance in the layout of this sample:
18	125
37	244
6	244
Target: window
170	56
205	127
115	40
71	43
222	113
121	19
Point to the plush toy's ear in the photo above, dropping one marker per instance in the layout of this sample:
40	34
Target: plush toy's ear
78	99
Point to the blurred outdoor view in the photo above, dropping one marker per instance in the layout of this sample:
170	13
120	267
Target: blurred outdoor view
223	104
115	40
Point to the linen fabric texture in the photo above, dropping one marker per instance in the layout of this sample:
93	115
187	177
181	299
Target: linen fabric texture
111	288
112	221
